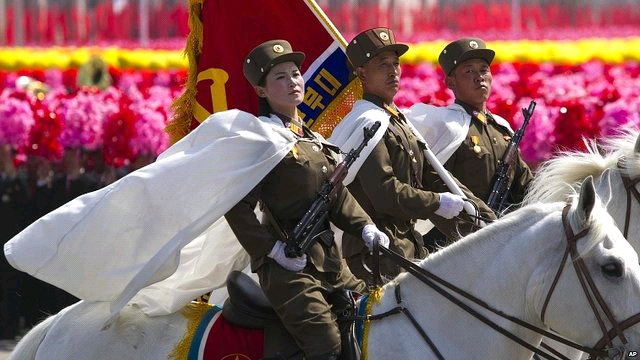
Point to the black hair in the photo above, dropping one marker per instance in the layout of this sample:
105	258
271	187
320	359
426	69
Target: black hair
264	109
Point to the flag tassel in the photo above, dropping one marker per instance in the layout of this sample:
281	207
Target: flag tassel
182	107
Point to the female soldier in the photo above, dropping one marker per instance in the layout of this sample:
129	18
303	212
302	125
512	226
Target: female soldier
297	287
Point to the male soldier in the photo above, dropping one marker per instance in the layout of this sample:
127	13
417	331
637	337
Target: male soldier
472	138
390	179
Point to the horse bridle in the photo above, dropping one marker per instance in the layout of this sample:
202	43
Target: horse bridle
630	186
588	285
592	294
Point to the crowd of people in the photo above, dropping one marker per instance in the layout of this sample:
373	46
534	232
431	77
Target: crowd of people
29	190
394	184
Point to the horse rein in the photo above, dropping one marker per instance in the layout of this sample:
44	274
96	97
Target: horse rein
591	292
630	186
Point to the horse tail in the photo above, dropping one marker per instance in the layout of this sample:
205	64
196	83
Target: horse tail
28	346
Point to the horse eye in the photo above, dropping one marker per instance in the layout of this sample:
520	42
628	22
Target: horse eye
613	269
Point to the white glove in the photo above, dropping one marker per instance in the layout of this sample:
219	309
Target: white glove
450	205
370	232
291	264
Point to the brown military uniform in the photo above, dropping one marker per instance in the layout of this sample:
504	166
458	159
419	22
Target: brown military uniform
474	163
396	186
288	191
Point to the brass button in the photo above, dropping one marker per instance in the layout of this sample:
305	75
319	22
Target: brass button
324	169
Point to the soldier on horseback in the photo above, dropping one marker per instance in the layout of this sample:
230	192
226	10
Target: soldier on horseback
393	182
297	287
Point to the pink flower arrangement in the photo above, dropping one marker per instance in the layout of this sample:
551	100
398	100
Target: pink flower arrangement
128	119
16	119
150	137
82	116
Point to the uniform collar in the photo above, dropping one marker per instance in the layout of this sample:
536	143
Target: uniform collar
295	125
483	117
390	108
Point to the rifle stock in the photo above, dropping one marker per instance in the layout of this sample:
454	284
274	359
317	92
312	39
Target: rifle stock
501	184
307	230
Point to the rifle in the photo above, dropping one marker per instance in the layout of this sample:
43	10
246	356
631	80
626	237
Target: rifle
507	165
306	231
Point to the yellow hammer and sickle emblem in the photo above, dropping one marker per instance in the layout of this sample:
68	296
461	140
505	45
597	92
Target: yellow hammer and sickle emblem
218	79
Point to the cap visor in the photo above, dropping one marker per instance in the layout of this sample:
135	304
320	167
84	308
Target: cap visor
485	54
399	49
296	57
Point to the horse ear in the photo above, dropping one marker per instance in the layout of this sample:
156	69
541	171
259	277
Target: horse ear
637	147
587	197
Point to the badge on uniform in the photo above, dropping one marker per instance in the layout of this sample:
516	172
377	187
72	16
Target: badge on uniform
480	116
395	113
475	140
296	127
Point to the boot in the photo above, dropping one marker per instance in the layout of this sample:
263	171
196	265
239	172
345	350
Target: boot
344	306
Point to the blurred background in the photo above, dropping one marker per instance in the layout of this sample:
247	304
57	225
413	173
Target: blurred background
82	22
86	88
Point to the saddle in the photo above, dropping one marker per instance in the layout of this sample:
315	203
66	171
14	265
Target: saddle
248	307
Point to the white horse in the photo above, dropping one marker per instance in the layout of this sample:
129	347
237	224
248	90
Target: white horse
562	176
510	265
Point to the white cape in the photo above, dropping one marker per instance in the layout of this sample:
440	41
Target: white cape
158	232
444	128
348	134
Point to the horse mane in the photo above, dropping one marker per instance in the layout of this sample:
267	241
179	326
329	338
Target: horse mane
560	177
512	224
623	144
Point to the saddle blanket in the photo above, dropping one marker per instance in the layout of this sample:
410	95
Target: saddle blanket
216	339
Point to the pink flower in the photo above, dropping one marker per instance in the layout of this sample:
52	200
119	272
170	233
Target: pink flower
17	120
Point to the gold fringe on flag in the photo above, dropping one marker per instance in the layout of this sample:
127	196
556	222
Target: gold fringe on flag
193	313
374	298
338	108
180	123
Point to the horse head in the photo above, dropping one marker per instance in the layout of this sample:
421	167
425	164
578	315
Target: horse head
594	295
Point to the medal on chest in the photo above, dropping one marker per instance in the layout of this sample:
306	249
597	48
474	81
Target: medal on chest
296	127
475	140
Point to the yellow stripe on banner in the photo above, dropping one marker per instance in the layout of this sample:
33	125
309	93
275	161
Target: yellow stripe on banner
374	298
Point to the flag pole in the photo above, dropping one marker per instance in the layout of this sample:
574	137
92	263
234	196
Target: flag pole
328	25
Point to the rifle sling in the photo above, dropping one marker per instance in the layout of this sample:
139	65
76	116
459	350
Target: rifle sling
280	232
324	235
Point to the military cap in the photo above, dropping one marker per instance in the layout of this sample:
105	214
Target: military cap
464	49
265	56
371	42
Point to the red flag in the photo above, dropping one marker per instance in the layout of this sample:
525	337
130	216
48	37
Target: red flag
227	31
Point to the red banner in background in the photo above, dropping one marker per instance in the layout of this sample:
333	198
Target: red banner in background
228	30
